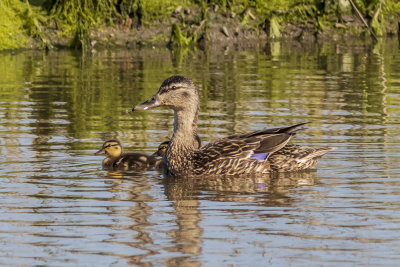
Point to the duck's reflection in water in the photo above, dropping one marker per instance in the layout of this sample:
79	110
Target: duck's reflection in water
228	188
186	195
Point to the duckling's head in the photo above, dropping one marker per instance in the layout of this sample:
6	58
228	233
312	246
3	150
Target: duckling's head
111	148
161	149
176	92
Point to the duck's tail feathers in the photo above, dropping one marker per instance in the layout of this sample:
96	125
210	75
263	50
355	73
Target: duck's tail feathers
313	153
319	152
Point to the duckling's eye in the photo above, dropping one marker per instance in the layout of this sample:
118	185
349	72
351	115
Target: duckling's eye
111	145
173	87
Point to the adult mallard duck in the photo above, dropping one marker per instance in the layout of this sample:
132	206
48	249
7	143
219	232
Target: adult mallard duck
118	160
248	153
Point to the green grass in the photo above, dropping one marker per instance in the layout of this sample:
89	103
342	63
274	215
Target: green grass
12	32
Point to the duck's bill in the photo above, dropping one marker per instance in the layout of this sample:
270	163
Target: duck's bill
100	152
151	103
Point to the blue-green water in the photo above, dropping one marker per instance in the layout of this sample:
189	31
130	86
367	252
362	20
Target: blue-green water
59	208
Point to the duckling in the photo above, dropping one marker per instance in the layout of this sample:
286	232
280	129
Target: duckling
161	149
118	160
247	153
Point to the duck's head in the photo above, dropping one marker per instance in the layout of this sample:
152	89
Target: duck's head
111	148
176	92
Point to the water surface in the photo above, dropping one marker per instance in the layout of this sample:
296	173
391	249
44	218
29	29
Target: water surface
59	208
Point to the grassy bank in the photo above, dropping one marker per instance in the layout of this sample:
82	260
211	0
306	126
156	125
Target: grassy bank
12	32
85	24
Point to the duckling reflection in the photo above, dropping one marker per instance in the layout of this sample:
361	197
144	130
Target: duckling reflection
118	160
132	188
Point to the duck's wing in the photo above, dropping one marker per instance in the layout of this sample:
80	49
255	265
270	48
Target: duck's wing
289	129
258	144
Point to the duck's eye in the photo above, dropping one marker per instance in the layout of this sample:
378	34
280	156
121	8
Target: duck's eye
173	87
111	145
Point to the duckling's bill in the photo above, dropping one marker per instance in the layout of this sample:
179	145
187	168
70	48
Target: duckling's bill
100	152
153	102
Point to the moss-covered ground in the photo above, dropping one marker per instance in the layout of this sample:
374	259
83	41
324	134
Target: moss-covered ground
91	24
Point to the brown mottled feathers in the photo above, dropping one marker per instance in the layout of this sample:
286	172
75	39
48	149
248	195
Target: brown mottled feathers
293	157
219	159
247	144
233	154
162	148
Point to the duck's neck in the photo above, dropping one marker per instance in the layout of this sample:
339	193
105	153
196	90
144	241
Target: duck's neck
181	148
185	128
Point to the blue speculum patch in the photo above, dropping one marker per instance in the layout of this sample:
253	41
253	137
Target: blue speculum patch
260	156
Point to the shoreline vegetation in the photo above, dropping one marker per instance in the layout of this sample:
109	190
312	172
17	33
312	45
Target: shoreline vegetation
99	24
